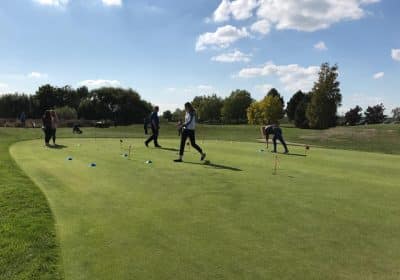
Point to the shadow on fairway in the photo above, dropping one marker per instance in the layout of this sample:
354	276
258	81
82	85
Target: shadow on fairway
170	149
57	147
216	166
296	155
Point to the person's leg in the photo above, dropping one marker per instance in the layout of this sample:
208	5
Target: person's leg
192	139
274	141
47	135
156	132
53	135
182	146
280	138
151	138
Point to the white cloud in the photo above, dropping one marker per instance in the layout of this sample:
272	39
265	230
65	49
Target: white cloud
302	15
235	56
100	83
262	26
223	37
263	89
396	54
292	76
321	46
37	75
112	2
239	9
56	3
379	75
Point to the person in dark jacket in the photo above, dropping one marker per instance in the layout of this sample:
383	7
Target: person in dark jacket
47	126
155	128
276	131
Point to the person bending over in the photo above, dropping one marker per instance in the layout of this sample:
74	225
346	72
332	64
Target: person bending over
188	131
155	128
277	132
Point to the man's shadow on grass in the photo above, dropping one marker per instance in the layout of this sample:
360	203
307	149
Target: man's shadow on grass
169	149
57	147
213	165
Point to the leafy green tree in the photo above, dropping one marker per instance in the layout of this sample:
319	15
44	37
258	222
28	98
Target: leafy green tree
267	111
208	108
291	106
66	113
353	116
325	99
396	114
254	113
178	115
300	117
375	114
167	115
235	106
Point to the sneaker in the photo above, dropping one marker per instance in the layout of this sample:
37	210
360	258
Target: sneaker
178	160
203	156
158	146
147	144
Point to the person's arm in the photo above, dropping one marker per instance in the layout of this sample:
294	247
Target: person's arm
190	119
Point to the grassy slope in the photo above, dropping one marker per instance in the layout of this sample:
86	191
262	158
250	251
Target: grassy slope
211	222
28	245
17	258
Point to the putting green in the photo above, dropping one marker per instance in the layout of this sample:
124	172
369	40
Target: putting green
331	215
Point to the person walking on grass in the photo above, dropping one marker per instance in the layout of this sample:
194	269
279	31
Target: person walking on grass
155	128
277	132
54	125
188	131
47	124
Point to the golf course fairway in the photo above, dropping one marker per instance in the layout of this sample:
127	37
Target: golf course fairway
332	214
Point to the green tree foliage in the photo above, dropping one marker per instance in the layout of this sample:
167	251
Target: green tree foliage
235	106
375	114
66	113
325	99
208	108
178	115
353	116
12	105
167	115
300	117
291	107
267	111
396	114
125	106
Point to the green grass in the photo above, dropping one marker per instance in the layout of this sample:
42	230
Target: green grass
28	245
331	215
29	248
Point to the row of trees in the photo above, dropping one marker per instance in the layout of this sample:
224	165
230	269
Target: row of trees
372	115
316	109
124	106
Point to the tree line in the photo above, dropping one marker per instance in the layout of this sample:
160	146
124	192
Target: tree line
123	106
315	109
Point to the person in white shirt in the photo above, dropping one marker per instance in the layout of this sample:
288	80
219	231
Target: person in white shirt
188	131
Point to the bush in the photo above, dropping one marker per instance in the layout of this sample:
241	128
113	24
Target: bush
66	113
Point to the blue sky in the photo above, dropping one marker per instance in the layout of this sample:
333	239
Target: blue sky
170	51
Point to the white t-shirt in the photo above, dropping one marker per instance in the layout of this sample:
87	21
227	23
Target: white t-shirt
190	121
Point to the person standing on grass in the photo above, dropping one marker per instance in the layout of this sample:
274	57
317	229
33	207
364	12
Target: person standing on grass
188	131
47	124
155	128
277	132
54	125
